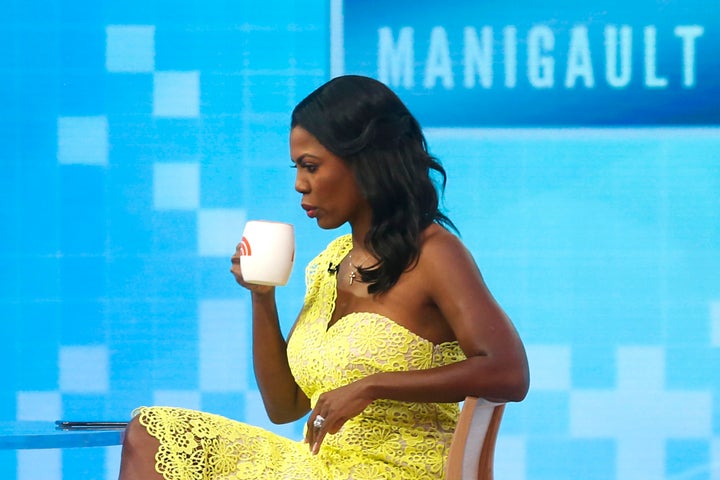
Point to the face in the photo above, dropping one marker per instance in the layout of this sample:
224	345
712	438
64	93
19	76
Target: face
329	191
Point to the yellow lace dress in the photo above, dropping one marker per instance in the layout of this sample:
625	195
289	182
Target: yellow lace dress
389	440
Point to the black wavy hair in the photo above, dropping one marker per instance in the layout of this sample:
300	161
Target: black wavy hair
363	122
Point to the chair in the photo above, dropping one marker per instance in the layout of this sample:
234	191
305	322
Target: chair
472	449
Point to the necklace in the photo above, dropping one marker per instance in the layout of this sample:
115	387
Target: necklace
354	268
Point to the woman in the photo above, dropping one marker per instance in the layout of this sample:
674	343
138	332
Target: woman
397	325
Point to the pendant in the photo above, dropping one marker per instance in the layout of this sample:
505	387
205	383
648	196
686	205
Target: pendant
351	276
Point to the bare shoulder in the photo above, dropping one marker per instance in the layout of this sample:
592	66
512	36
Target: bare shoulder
447	268
441	246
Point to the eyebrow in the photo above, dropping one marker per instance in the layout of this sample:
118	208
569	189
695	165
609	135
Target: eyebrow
303	157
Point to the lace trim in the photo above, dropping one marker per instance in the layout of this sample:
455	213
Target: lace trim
389	440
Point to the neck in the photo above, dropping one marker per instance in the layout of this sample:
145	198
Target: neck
359	227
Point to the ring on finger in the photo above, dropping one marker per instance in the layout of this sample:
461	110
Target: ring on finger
319	421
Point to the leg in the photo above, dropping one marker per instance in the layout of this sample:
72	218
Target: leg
138	454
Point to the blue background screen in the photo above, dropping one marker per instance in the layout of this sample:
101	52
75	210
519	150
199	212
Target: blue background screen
136	138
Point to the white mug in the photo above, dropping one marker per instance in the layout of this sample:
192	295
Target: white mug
267	252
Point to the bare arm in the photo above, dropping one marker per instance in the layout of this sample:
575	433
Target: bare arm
283	399
496	367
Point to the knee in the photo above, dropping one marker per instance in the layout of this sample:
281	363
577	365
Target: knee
137	436
137	460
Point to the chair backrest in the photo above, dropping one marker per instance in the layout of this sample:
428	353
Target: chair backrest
472	450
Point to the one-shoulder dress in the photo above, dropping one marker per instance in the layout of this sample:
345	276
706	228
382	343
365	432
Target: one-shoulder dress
388	440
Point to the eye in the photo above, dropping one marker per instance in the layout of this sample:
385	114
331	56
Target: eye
305	165
305	162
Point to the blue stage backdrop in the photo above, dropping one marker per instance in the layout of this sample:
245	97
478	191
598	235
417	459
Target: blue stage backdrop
583	153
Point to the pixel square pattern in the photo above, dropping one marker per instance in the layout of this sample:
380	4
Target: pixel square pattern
130	48
174	330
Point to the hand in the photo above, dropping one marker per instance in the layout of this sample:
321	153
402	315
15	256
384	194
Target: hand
236	270
336	407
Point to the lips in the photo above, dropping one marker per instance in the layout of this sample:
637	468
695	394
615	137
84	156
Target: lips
311	210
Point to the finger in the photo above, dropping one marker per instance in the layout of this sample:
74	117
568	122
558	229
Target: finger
237	253
313	431
309	430
235	270
237	273
320	436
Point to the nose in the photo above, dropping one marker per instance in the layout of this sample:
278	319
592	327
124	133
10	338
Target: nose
301	184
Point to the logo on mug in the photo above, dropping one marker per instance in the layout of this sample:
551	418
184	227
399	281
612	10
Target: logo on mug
245	247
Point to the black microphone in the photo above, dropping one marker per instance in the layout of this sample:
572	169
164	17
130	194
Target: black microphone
334	269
